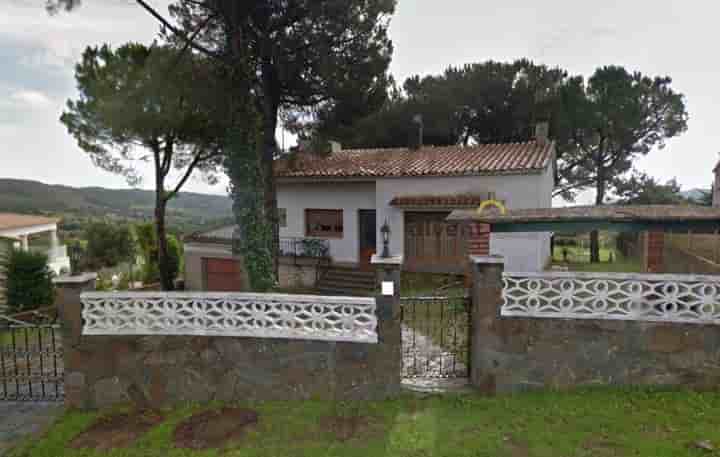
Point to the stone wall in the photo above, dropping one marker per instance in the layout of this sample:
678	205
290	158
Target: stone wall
518	353
298	272
156	371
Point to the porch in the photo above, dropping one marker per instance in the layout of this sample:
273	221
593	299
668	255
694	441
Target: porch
35	234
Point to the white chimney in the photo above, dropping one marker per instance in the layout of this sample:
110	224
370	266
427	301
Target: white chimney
542	132
335	147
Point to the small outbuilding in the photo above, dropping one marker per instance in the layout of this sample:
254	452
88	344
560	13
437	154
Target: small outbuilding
653	220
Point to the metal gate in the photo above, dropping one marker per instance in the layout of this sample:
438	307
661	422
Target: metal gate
436	337
31	360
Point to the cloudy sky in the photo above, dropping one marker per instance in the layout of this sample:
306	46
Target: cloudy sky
656	37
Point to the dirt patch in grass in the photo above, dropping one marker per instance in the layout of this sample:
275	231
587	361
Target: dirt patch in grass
345	428
213	429
116	431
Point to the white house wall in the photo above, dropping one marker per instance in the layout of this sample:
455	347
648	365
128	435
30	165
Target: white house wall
349	196
524	251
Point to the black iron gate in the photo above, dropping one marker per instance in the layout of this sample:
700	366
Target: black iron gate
436	337
31	361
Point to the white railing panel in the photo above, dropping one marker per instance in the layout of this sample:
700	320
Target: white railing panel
690	299
230	314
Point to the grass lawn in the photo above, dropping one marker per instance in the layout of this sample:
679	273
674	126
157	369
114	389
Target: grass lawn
579	260
597	422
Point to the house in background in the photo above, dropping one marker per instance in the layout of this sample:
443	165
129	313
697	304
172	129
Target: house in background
346	196
35	233
336	205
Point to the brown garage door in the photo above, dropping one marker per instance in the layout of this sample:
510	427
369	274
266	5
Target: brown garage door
434	245
223	275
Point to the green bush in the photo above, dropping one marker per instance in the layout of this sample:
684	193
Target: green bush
28	281
145	234
108	245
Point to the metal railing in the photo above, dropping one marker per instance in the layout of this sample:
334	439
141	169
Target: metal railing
436	336
304	247
57	252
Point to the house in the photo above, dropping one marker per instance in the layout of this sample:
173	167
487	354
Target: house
346	197
34	233
339	202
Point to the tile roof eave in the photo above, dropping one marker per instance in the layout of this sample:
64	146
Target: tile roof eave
325	177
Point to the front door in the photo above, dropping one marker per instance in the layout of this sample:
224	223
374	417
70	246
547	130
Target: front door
368	237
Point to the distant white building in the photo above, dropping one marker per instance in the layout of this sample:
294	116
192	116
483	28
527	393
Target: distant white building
19	230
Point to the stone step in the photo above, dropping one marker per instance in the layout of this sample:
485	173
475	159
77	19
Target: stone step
344	291
349	279
354	272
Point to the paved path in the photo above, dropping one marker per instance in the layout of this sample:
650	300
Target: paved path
427	367
20	419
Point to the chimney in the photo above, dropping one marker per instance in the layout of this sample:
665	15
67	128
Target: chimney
542	132
335	147
416	132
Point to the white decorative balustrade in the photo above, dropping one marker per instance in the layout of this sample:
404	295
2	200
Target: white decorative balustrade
230	314
691	299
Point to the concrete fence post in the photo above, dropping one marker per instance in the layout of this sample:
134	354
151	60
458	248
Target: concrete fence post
388	311
487	287
67	301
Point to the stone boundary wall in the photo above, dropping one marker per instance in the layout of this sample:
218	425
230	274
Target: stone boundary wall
298	272
513	354
158	371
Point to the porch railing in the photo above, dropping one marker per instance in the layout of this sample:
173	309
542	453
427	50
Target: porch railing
304	247
57	252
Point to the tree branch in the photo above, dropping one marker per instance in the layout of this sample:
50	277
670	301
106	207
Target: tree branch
198	158
176	31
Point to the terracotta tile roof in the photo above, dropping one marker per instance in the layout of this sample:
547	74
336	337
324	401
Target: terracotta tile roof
487	159
13	221
614	213
219	235
440	201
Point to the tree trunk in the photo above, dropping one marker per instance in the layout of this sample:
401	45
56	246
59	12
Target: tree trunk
270	115
595	234
166	280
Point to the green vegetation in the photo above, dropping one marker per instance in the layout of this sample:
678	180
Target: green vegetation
147	247
107	245
578	259
78	207
596	422
28	280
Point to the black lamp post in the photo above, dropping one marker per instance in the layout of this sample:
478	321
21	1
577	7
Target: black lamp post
75	255
385	231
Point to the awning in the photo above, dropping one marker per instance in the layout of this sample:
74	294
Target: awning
440	201
679	218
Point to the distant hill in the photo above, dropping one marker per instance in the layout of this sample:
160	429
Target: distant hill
23	196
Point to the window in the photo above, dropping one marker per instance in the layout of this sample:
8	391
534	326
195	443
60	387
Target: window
327	223
282	217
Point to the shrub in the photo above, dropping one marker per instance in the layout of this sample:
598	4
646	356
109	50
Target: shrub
28	281
147	243
107	245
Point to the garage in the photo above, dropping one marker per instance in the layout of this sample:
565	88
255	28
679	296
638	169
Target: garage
432	244
222	275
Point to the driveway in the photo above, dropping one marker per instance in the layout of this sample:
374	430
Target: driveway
21	419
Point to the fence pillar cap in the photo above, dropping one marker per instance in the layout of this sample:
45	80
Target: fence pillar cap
487	259
75	279
392	260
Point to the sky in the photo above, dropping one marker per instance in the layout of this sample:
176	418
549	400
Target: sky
656	37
